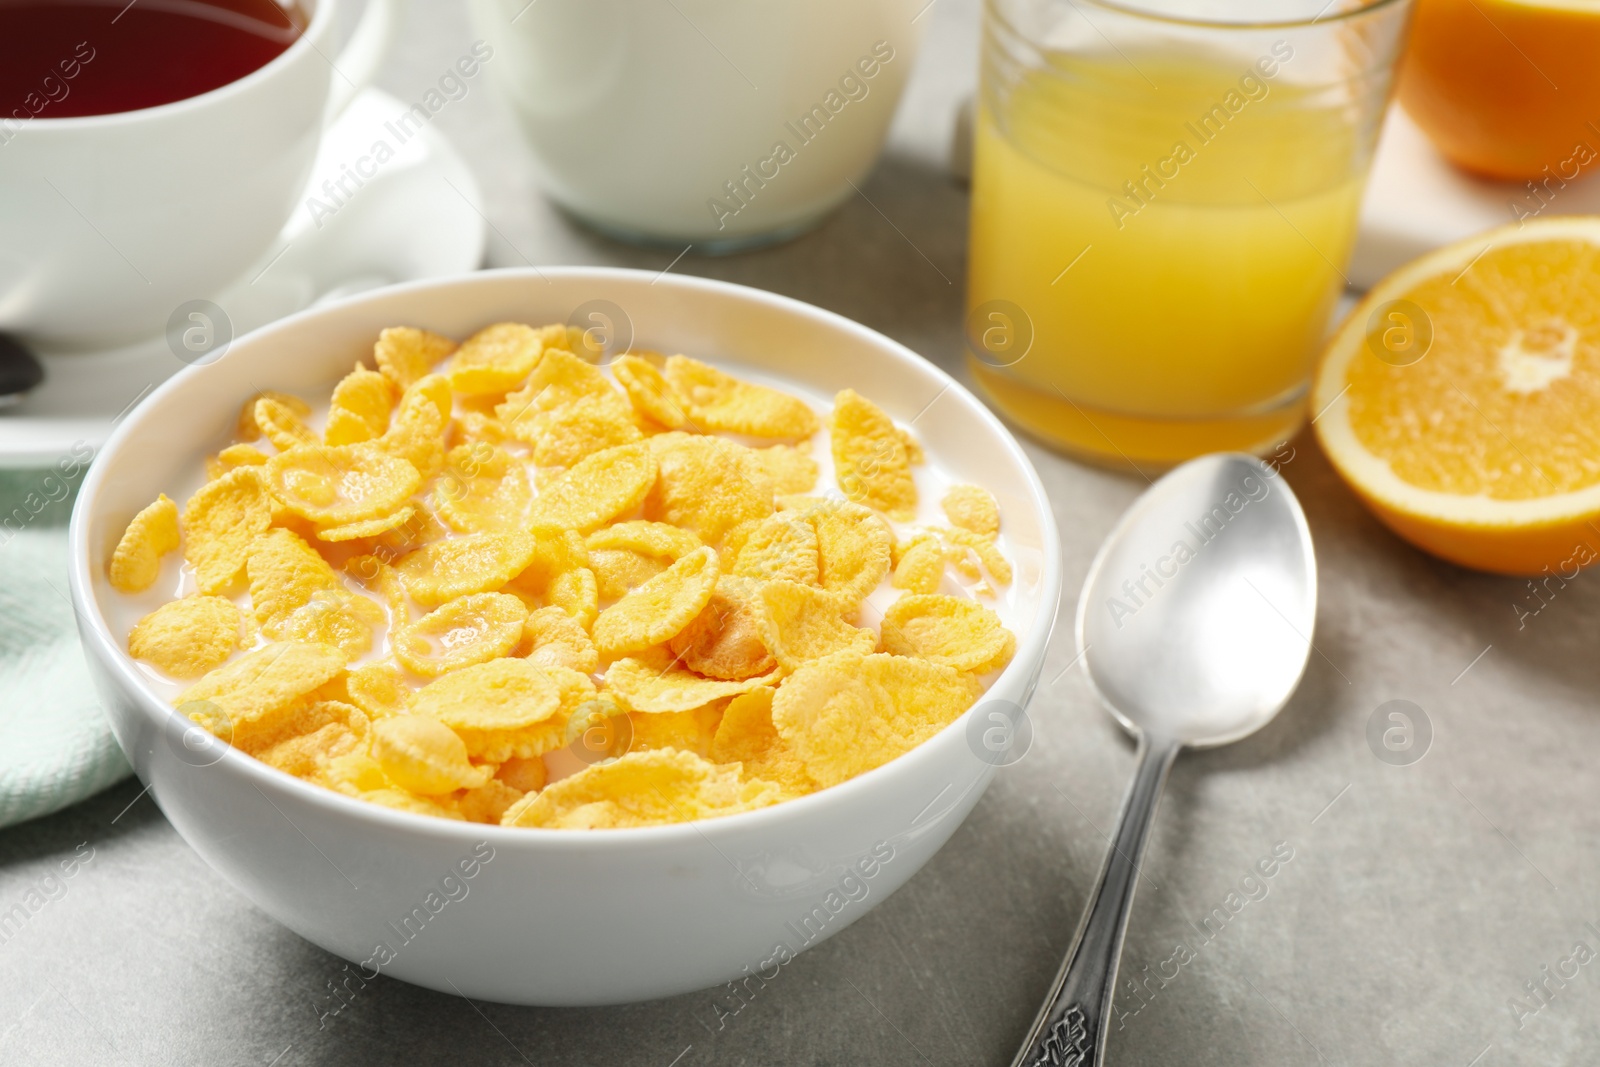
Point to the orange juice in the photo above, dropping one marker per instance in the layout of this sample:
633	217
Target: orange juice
1172	228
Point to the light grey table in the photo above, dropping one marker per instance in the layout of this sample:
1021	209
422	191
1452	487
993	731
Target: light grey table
1417	903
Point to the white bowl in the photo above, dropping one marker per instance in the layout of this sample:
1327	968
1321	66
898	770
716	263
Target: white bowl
558	917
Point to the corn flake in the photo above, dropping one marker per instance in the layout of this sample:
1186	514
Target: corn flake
151	534
652	395
726	640
255	694
852	549
598	488
869	458
416	433
219	523
506	708
247	429
849	713
552	638
280	424
360	408
745	735
423	755
379	689
469	630
659	608
231	457
404	354
920	568
355	531
474	563
779	547
495	359
791	470
706	485
642	789
333	485
482	488
688	731
722	403
973	508
801	622
186	638
948	630
984	548
653	682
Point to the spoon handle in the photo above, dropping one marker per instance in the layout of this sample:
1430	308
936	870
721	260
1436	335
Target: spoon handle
1071	1028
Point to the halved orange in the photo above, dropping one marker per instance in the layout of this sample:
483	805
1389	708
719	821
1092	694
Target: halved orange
1461	399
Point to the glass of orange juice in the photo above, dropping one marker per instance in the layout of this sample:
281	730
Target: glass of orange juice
1164	199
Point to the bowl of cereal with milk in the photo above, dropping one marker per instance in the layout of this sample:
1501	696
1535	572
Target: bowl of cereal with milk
573	636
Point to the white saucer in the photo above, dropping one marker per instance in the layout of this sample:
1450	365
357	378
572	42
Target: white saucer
1417	202
419	217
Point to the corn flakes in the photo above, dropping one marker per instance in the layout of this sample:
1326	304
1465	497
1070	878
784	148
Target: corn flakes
469	630
360	408
510	487
136	561
231	457
659	608
186	638
247	429
332	485
726	640
972	507
280	424
552	638
780	547
482	488
706	485
791	470
424	755
949	630
252	695
642	789
598	488
869	460
355	531
652	395
722	403
745	735
920	567
472	563
654	682
218	524
852	550
849	713
405	354
801	622
495	359
379	689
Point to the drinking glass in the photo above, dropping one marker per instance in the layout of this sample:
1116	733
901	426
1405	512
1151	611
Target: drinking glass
1165	196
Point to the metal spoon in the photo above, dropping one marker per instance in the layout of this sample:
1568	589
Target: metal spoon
1194	627
20	371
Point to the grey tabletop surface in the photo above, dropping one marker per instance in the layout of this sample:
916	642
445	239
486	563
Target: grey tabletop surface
1416	914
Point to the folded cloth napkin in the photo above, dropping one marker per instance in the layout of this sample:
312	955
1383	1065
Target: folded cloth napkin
55	743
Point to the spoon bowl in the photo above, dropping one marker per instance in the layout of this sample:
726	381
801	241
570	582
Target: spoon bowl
1194	623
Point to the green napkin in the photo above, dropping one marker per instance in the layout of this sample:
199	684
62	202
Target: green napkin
55	743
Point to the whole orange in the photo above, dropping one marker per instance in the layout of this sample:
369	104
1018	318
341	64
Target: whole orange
1508	88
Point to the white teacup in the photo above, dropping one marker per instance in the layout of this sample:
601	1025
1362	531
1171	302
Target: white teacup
109	222
721	122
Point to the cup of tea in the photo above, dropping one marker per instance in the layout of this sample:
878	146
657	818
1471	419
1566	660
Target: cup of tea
150	152
716	122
